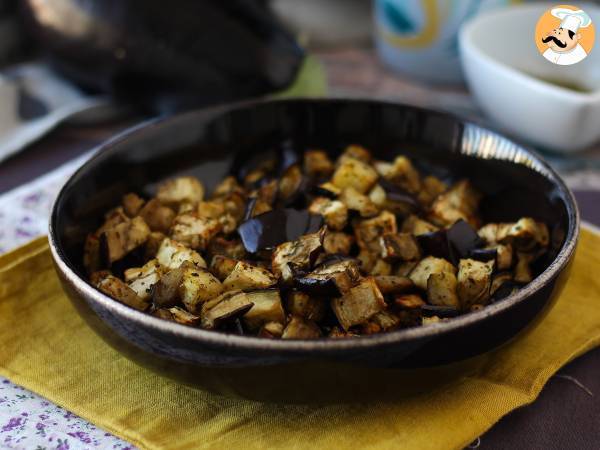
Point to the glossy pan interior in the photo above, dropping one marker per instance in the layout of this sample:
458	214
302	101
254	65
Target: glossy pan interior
207	143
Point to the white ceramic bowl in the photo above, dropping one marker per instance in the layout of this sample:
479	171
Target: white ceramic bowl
505	72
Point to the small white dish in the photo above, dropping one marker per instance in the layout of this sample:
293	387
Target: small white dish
506	74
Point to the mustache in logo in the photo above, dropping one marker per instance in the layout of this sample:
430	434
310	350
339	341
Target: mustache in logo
556	41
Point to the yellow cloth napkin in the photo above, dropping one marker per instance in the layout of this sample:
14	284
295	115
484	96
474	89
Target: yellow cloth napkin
47	348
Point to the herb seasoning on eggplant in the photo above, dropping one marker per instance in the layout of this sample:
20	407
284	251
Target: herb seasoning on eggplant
305	247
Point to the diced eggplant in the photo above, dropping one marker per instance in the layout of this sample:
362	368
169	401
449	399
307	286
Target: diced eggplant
356	174
194	231
399	247
334	212
302	305
227	306
463	239
392	284
317	164
414	225
328	190
439	311
337	242
227	186
523	273
299	328
502	286
404	269
403	174
232	248
132	204
489	233
267	309
397	199
525	235
276	227
153	244
502	254
221	266
367	260
378	196
382	321
113	218
92	260
355	152
177	314
428	266
245	276
358	304
142	279
180	190
171	254
442	290
198	286
98	276
300	253
461	201
157	216
435	244
381	268
431	188
431	320
118	241
474	281
339	333
329	279
271	330
290	185
165	293
368	232
356	201
409	301
118	289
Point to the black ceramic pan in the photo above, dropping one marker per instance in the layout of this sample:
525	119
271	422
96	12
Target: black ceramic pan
207	143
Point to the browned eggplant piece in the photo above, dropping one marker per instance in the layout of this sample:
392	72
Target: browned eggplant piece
361	203
523	273
409	301
408	309
358	304
381	268
334	212
153	244
417	226
246	276
227	186
380	322
463	239
317	164
92	260
267	309
157	216
355	152
172	254
355	173
444	312
435	243
132	204
525	235
339	333
337	243
367	260
180	190
398	200
177	314
116	242
368	232
290	183
461	201
329	279
118	289
431	188
227	306
273	228
327	190
442	290
402	173
232	248
193	230
392	284
197	286
301	304
299	254
404	269
98	276
221	266
299	328
427	266
474	281
271	330
399	247
113	218
142	279
165	293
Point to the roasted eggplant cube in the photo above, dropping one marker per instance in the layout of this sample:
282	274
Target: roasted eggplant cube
165	293
271	330
431	188
523	273
299	328
461	201
399	247
227	306
198	286
303	305
180	190
317	164
416	226
355	152
358	304
227	186
290	183
267	308
194	231
142	279
525	235
334	212
427	266
442	290
300	253
178	315
119	241
382	321
337	243
132	204
403	174
368	232
92	260
474	280
328	279
392	284
171	254
118	289
356	174
157	216
381	268
245	276
356	201
221	266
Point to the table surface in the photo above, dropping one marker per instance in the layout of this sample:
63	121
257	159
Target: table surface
566	414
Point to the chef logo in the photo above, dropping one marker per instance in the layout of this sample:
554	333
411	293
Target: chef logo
564	35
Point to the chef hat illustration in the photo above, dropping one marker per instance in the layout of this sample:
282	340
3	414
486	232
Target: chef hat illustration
572	20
